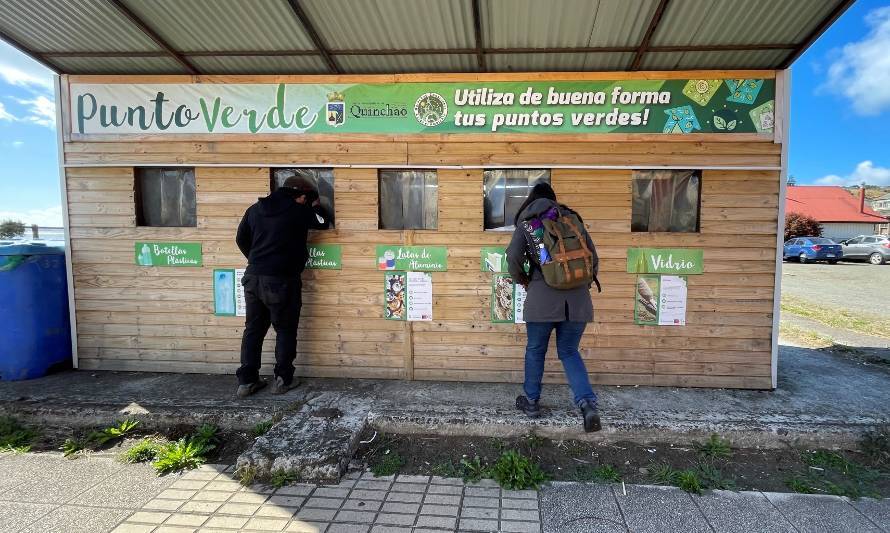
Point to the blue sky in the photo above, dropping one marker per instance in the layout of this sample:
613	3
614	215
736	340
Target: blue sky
840	116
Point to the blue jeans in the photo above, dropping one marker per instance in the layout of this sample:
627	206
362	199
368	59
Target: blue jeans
568	337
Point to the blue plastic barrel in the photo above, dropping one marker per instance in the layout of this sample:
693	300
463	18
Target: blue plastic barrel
35	334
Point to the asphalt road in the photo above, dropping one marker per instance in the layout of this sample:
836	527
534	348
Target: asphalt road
860	288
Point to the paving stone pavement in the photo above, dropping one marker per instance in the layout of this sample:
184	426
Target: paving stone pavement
97	494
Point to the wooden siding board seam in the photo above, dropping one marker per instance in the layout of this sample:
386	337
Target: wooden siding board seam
425	166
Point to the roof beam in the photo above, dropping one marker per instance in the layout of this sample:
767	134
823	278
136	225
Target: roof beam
477	32
40	58
650	31
817	32
427	51
313	34
150	33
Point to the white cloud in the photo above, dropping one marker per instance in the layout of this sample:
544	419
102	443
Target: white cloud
50	217
6	115
865	172
861	73
18	69
18	144
41	111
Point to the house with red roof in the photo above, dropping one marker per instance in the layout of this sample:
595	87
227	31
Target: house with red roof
841	214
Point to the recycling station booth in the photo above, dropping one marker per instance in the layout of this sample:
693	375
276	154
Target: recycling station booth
423	126
35	338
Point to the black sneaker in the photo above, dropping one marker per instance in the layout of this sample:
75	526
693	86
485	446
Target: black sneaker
278	386
246	390
530	408
591	416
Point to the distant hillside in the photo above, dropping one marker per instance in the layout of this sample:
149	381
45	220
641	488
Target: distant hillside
871	191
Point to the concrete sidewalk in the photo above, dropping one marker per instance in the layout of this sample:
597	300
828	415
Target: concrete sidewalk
823	399
45	493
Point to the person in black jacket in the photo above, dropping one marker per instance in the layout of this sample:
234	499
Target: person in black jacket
272	236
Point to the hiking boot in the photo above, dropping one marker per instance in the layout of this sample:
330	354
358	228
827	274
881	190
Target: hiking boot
530	408
246	390
591	416
278	386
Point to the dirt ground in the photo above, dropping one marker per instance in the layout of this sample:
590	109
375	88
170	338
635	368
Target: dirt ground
849	472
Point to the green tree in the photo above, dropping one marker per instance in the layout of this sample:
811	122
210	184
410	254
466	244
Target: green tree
11	228
798	225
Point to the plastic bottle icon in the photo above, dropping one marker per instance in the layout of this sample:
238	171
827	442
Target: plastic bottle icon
145	256
543	255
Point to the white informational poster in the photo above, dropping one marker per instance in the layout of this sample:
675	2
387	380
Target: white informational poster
240	305
518	303
672	304
420	296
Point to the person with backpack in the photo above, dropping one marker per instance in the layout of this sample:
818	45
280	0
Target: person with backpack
562	260
272	236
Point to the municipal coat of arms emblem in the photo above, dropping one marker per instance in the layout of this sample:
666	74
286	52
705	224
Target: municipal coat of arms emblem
336	109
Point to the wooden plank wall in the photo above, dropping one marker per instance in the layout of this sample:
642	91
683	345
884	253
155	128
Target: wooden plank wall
160	319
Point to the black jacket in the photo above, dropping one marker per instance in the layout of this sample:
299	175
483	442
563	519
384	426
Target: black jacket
272	234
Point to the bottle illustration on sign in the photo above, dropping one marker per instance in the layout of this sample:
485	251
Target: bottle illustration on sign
388	261
145	256
225	300
543	256
493	261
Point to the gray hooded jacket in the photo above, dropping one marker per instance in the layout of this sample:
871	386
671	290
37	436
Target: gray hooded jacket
544	303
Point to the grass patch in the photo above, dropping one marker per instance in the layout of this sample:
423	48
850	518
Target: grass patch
143	451
836	318
704	476
804	337
71	447
689	481
876	446
446	469
387	463
715	447
833	473
514	471
713	479
15	437
186	453
598	474
282	477
261	428
119	430
246	475
473	469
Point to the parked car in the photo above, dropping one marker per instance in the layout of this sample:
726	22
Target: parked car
807	249
872	248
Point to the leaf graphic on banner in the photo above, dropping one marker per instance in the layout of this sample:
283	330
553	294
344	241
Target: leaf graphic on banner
719	123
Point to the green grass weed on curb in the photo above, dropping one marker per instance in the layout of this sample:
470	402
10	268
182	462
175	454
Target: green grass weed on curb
246	475
598	474
833	473
184	454
837	318
282	477
262	428
387	463
876	446
15	437
143	451
473	469
119	430
71	448
713	479
446	469
662	474
514	471
715	447
689	481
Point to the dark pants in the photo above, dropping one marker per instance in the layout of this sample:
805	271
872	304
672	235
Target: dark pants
275	301
568	337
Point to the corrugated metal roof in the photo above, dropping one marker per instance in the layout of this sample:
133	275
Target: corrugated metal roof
511	32
415	63
260	65
228	25
717	22
559	62
62	26
751	59
114	65
392	24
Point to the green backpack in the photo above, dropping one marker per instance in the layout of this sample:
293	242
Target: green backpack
559	241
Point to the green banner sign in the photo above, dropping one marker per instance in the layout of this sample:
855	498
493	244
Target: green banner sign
172	254
325	257
665	261
415	258
676	106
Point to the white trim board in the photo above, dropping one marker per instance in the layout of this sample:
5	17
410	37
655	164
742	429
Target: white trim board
784	79
63	190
